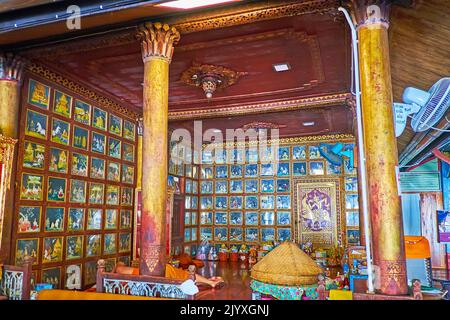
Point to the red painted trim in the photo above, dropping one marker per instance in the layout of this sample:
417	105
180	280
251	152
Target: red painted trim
438	154
420	163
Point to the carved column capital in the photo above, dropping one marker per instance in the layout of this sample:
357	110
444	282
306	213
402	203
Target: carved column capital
11	67
371	12
157	40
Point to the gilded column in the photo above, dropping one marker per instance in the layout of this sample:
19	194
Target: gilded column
138	193
380	146
157	41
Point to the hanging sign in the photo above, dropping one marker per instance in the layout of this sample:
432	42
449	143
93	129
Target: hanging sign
401	112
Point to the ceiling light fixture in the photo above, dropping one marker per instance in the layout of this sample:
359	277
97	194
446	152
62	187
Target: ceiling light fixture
190	4
280	67
309	124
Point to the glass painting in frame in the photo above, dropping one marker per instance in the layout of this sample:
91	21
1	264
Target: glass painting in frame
194	202
109	243
38	94
351	184
314	152
54	219
351	201
252	155
125	260
114	148
251	218
283	153
26	247
128	152
283	185
352	218
58	160
221	172
127	174
316	168
90	272
36	125
82	112
75	219
33	155
99	119
60	132
29	219
98	143
129	130
56	189
333	169
266	169
115	125
194	234
52	250
251	234
79	164
207	156
221	218
353	237
188	186
251	202
52	276
251	170
267	218
221	202
194	186
97	168
125	242
267	154
125	219
299	168
267	234
206	234
236	218
188	171
96	193
220	156
267	202
62	104
236	202
236	186
267	185
74	247
80	138
283	169
206	218
93	246
94	219
299	153
283	202
221	234
206	203
236	171
77	191
127	196
193	218
235	234
207	173
187	202
112	195
31	188
283	234
113	172
187	234
348	168
251	186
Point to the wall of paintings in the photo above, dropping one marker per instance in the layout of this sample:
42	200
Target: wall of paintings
76	180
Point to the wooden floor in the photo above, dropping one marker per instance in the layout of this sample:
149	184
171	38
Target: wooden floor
237	281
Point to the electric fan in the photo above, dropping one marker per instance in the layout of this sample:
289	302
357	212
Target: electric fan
334	152
427	107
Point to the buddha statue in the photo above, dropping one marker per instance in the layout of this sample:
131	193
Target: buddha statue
39	94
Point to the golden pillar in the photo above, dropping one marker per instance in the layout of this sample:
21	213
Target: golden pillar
157	42
11	67
380	147
138	194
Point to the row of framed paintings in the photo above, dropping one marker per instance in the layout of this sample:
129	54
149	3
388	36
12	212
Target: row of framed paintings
54	219
39	95
245	202
73	247
235	218
32	188
81	138
238	234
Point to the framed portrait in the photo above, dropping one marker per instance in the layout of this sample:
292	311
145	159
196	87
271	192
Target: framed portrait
94	219
29	219
236	186
33	155
353	237
195	171
251	186
221	218
27	247
207	156
96	193
267	185
283	185
99	119
252	155
127	174
111	219
90	272
221	234
77	191
283	234
207	173
128	152
125	259
267	218
97	168
283	153
314	152
188	170
56	189
60	132
52	276
112	195
251	235
238	155
283	202
236	234
316	168
206	203
220	156
36	125
187	234
267	169
80	138
82	112
129	130
283	169
75	220
188	186
206	234
351	184
348	168
194	234
194	202
332	169
236	218
251	170
52	250
72	278
98	143
206	218
299	153
114	148
62	104
352	218
221	172
54	219
74	247
127	196
221	186
113	171
351	201
58	160
31	188
194	187
125	219
93	246
236	171
110	243
267	234
251	218
443	221
283	218
251	202
79	164
125	242
194	218
267	202
115	125
187	202
236	202
299	168
221	202
109	264
38	94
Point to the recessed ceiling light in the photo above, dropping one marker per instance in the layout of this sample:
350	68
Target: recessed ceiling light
308	123
280	67
189	4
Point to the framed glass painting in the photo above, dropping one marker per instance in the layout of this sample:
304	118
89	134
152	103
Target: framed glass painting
187	234
77	191
125	219
316	168
267	185
62	104
187	202
188	186
314	152
112	195
36	125
80	138
93	245
283	202
125	242
267	234
221	202
206	203
109	264
236	202
220	156
299	152
283	153
79	164
194	186
113	171
283	185
194	234
96	193
251	234
267	154
52	250
206	234
195	172
54	219
97	168
299	168
251	218
236	218
115	125
221	218
52	276
206	218
251	186
125	260
114	148
180	170
351	201
38	94
238	154
31	188
82	112
188	171
90	272
236	171
127	196
207	173
127	174
74	247
351	184
27	247
129	130
60	132
332	169
352	218
33	155
29	219
251	170
110	243
221	234
266	169
99	119
98	143
194	218
252	155
348	168
221	172
267	218
283	169
235	234
58	160
94	219
283	234
236	186
75	219
56	189
353	237
267	202
207	156
283	218
194	202
251	202
128	152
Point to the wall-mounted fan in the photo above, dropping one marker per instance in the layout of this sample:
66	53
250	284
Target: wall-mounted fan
334	153
427	107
